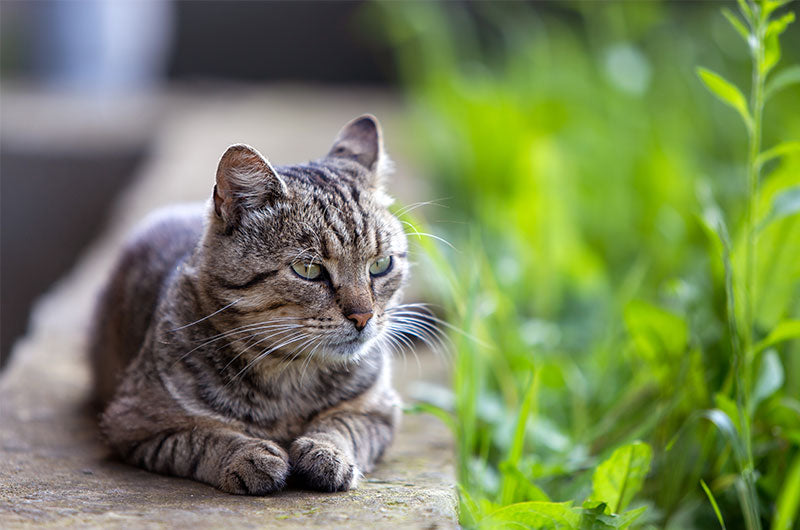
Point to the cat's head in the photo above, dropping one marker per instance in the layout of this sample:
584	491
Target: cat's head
308	256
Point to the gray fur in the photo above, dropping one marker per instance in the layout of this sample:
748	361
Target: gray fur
215	361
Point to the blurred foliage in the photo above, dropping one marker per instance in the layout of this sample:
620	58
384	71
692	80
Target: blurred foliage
600	203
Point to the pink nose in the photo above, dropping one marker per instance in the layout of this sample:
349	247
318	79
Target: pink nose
360	319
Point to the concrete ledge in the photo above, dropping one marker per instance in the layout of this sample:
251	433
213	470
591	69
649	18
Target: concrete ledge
53	469
55	472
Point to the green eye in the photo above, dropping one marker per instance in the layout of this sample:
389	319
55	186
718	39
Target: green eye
381	266
307	271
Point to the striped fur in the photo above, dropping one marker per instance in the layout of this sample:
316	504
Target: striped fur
215	361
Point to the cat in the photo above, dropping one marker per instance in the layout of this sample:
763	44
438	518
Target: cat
247	342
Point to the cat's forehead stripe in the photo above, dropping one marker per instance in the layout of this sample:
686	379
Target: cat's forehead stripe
335	197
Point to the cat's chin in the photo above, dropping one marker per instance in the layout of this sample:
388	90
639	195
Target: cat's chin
349	351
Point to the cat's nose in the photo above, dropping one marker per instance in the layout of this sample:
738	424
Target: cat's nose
359	319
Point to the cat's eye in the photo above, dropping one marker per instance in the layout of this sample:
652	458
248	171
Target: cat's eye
308	271
380	266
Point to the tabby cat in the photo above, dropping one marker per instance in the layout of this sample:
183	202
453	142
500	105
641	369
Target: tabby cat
247	342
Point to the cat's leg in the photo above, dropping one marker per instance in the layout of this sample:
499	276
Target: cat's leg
343	443
165	440
226	459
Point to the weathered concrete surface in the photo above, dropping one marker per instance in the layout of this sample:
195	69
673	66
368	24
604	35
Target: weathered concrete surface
53	469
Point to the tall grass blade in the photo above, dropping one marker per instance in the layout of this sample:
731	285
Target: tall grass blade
713	504
788	503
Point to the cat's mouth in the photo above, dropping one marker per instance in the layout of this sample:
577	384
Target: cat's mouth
351	348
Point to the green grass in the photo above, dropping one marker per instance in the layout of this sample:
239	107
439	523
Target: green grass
628	266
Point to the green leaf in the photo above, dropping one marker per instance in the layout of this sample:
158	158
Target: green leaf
658	335
745	9
726	426
740	28
770	378
786	77
771	5
621	476
784	204
510	480
713	221
783	148
469	509
772	54
772	50
443	415
551	515
728	406
713	504
779	25
623	520
726	92
595	518
786	330
522	486
789	498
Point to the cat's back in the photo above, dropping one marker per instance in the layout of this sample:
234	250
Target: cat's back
128	301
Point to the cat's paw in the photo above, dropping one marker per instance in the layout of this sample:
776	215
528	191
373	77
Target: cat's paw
322	466
257	467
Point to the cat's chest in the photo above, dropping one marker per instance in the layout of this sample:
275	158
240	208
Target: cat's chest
280	407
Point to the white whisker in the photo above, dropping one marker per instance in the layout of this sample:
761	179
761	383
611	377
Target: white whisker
260	356
205	317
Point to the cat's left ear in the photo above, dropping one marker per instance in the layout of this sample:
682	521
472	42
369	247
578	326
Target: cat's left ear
361	140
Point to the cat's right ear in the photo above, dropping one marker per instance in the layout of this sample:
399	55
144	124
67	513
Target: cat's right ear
245	180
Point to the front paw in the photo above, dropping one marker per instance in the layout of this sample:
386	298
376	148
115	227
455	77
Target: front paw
257	467
322	466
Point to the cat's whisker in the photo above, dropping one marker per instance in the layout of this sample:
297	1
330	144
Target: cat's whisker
319	340
409	333
386	340
403	344
263	354
227	334
428	334
432	236
254	329
413	206
205	317
255	332
420	319
432	341
323	342
429	316
414	322
399	336
299	349
422	305
268	337
285	364
307	360
398	349
280	320
424	325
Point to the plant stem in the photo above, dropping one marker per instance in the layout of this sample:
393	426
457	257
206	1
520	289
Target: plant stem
759	24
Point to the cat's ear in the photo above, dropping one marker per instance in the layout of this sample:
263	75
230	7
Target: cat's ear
245	180
361	140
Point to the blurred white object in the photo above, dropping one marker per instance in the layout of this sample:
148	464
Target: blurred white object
102	46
